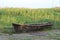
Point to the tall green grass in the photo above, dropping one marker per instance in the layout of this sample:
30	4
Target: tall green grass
26	15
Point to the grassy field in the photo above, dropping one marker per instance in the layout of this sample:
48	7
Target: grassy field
26	15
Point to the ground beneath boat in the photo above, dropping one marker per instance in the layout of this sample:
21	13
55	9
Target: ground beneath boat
40	35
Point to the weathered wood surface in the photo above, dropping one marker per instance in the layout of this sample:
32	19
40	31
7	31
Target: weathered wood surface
31	27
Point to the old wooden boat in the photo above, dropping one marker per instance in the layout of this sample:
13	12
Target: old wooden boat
31	27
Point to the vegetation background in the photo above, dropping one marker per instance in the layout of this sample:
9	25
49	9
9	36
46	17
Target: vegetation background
27	15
